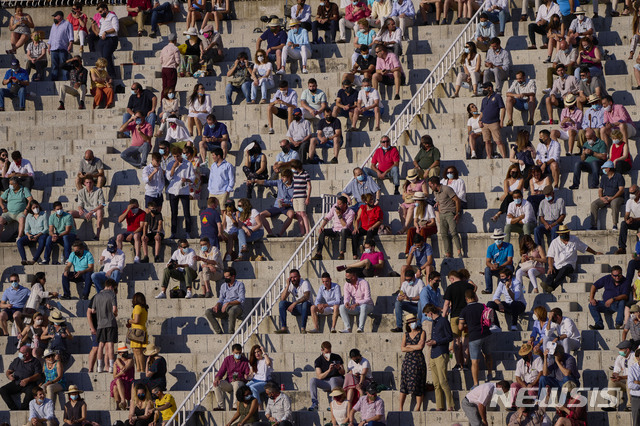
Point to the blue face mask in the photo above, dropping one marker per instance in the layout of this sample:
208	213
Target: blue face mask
604	171
449	175
485	24
15	284
240	209
59	212
171	95
621	353
21	355
428	319
549	197
583	79
237	356
361	178
365	56
138	121
74	397
204	248
518	201
413	325
466	50
133	92
161	151
184	156
596	107
367	88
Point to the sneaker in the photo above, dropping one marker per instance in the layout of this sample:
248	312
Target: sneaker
280	71
474	156
271	131
546	91
333	330
341	40
304	71
574	187
495	329
152	34
313	331
313	408
161	295
111	369
100	367
282	331
360	330
208	295
157	259
457	367
189	295
136	259
496	155
145	259
619	326
346	330
615	227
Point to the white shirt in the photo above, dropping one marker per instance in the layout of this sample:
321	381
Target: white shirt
581	26
263	371
529	86
474	123
184	170
369	100
153	187
291	97
544	154
519	209
516	288
566	254
566	326
179	134
355	368
458	185
633	208
109	23
302	288
25	167
622	364
412	289
429	213
546	13
482	394
387	37
529	373
188	258
115	260
500	3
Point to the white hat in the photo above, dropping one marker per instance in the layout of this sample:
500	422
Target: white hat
497	234
192	31
250	147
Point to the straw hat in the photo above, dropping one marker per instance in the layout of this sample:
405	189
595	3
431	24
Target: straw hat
562	229
410	318
337	392
293	22
579	11
151	350
412	175
570	99
122	347
74	389
56	317
498	234
525	349
47	353
593	98
419	196
275	22
191	32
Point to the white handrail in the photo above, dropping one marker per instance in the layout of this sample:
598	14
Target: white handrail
262	309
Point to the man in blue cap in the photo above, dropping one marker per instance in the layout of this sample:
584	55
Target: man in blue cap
610	194
113	261
16	79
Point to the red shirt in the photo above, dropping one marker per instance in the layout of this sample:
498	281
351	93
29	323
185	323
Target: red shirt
142	4
385	160
134	220
368	217
617	151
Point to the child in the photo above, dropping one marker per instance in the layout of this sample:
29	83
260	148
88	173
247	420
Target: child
165	405
301	194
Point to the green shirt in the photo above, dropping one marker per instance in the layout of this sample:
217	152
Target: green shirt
599	147
16	201
61	222
426	158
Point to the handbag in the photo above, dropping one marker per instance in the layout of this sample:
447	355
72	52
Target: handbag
136	335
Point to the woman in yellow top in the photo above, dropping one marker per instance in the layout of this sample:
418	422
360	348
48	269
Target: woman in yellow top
101	84
139	321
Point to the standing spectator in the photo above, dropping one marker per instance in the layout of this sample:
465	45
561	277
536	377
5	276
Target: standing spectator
514	302
60	45
371	408
492	119
141	133
221	177
239	78
12	304
521	217
283	102
301	291
79	22
23	373
169	62
153	178
211	223
297	46
179	175
327	17
522	96
62	231
388	71
113	260
135	217
101	85
20	25
37	56
329	369
21	170
328	301
105	306
91	203
182	267
450	207
548	156
77	86
278	409
551	215
236	369
614	297
35	231
301	195
441	336
631	219
230	303
428	157
211	266
497	63
413	375
408	299
499	256
90	167
476	402
610	194
341	218
593	156
16	79
83	266
385	163
352	14
356	301
471	319
138	323
276	38
564	85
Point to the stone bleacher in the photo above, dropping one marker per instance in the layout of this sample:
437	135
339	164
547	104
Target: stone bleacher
179	327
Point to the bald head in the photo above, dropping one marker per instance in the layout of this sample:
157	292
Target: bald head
88	155
590	134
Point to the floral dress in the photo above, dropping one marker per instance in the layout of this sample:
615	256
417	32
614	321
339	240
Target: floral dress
194	188
413	374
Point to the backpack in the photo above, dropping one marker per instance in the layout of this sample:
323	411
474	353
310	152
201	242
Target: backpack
486	320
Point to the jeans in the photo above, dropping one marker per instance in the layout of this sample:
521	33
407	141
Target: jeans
552	383
99	278
556	277
245	88
136	155
514	309
592	167
24	240
489	274
257	389
65	241
106	48
622	236
186	210
12	388
22	96
332	234
540	231
362	311
616	307
401	306
86	278
243	239
302	310
331	26
58	58
394	174
264	88
500	16
162	14
325	385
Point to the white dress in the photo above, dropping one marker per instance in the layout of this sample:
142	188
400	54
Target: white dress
199	106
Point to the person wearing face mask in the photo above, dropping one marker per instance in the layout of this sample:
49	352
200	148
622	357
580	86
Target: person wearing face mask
141	411
422	252
165	406
329	136
282	104
438	347
363	67
474	130
564	85
570	121
551	214
588	85
16	79
358	187
169	62
499	255
21	170
619	153
41	409
12	304
213	49
113	260
101	85
548	155
616	117
610	194
123	373
341	218
593	156
385	163
353	12
239	78
23	373
521	217
356	301
247	411
108	35
514	302
297	46
15	203
83	266
142	101
182	267
617	383
180	175
632	322
276	38
521	96
75	410
330	371
135	217
470	72
313	101
485	32
493	110
104	305
230	303
581	26
339	407
62	231
214	135
278	411
327	17
154	182
37	56
615	294
408	298
232	375
631	219
141	132
177	133
497	63
60	45
368	105
371	409
299	134
413	374
513	181
367	223
302	293
562	257
262	76
91	203
371	261
171	109
35	231
155	372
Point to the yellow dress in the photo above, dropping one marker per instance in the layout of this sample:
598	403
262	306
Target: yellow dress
143	326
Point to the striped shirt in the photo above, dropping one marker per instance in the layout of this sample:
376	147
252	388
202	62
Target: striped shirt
300	180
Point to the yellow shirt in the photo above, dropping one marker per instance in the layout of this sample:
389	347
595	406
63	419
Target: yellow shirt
167	399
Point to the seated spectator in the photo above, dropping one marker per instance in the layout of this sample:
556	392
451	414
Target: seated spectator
485	32
254	165
384	163
101	85
123	373
554	371
632	322
631	219
404	14
521	96
499	255
31	334
153	230
563	86
388	71
616	293
112	261
358	375
301	291
91	204
408	298
37	56
371	262
616	116
339	406
144	101
527	374
182	267
497	63
514	302
81	260
230	305
75	410
329	369
16	79
424	220
358	187
211	266
370	407
15	203
261	371
555	33
283	157
390	37
302	13
352	14
155	373
581	26
346	101
137	10
21	170
299	133
239	77
35	232
212	49
423	254
276	38
77	86
537	183
566	55
476	402
588	85
356	301
363	38
180	174
521	217
41	409
20	25
563	257
283	203
297	46
165	404
91	167
471	62
328	301
551	214
135	217
247	410
141	406
342	222
250	227
619	153
363	67
313	102
589	57
62	231
548	156
428	158
262	76
498	12
200	107
492	120
593	156
283	102
610	194
236	369
329	135
12	304
141	133
278	408
327	17
570	122
367	223
190	59
368	105
23	373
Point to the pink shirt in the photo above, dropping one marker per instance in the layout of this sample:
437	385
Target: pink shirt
136	138
384	160
360	293
576	116
389	63
348	217
170	56
363	12
375	258
617	114
370	409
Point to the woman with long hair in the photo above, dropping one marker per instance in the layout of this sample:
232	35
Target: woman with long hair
123	372
190	59
537	183
250	227
589	55
424	220
474	129
471	62
262	76
619	153
413	374
141	407
261	370
138	321
532	261
512	181
414	183
523	154
20	25
200	106
101	84
555	32
247	409
255	166
537	339
53	371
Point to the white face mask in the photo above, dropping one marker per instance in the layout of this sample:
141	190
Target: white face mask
327	356
535	317
35	210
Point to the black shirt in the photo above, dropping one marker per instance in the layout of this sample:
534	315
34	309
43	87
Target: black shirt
455	295
152	220
348	99
144	103
329	129
472	316
364	64
23	370
323	364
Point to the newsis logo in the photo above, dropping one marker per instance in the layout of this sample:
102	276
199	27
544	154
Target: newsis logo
529	398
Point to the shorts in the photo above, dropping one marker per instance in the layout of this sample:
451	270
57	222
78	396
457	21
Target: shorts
11	217
564	134
282	113
328	144
454	328
206	7
478	347
211	145
299	205
277	211
158	200
372	112
560	101
94	341
390	81
521	104
126	235
357	79
152	235
108	335
11	311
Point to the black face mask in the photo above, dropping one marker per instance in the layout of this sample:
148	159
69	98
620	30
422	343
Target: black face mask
541	141
104	14
485	92
329	118
564	237
285	149
227	280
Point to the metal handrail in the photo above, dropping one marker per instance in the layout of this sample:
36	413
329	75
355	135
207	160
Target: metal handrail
263	308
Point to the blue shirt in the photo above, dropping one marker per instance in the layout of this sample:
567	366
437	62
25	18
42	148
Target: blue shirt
422	255
285	158
209	220
565	7
21	75
428	295
299	37
441	333
18	298
357	189
60	36
633	375
274	39
331	297
285	193
500	255
491	106
516	288
222	178
217	131
406	7
81	263
638	247
612	290
232	294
